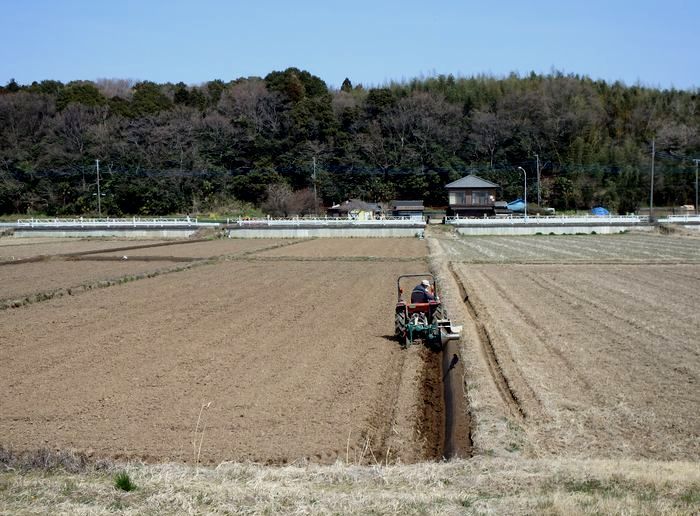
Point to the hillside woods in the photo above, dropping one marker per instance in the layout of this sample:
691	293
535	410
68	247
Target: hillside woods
174	148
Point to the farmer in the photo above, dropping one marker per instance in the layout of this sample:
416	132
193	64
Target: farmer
422	293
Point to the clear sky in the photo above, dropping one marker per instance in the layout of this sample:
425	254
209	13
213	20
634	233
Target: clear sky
653	42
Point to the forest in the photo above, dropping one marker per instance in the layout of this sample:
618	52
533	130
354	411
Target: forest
238	146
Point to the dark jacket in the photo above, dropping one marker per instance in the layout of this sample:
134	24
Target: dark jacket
420	294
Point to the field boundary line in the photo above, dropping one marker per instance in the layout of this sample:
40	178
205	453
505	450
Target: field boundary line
326	259
90	258
129	248
271	247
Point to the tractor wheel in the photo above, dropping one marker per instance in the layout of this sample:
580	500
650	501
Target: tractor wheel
439	313
400	324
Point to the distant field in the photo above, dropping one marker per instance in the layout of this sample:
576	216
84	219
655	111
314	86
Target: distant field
634	247
16	248
354	247
208	249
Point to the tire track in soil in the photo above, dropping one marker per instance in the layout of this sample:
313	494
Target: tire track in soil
497	375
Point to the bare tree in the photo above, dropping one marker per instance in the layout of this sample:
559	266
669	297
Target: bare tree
278	200
303	202
488	132
249	100
116	87
24	120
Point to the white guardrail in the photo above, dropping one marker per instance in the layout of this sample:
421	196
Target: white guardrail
133	222
548	220
329	222
680	219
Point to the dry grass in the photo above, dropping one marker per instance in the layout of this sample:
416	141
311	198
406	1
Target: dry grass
477	486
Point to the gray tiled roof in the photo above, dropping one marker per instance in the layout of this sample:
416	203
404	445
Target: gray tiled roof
401	204
471	181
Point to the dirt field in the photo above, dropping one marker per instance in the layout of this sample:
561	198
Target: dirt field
56	269
208	249
18	248
354	247
580	358
296	359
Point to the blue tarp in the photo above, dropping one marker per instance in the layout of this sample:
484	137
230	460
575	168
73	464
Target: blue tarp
599	210
516	205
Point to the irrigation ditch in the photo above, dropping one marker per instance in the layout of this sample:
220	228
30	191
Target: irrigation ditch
449	374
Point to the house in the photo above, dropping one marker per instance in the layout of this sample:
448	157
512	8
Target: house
471	196
412	209
355	209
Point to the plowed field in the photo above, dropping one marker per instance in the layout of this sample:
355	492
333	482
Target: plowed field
26	279
291	360
19	248
586	359
628	248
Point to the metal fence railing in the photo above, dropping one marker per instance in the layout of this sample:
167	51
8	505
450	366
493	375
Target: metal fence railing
549	220
82	222
680	219
328	222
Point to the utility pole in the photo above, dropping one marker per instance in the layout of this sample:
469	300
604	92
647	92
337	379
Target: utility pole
539	199
696	186
651	195
524	191
315	194
99	197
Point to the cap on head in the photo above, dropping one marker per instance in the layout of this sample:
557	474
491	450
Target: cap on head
425	283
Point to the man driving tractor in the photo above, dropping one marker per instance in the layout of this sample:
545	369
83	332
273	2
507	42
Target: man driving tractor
422	293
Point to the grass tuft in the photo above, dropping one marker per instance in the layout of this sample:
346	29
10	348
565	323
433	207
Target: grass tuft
123	481
691	496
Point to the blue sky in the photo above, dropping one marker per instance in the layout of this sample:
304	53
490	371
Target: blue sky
655	43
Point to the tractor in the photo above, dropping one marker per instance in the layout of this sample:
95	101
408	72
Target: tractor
424	321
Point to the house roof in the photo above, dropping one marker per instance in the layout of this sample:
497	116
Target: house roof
406	205
471	181
355	205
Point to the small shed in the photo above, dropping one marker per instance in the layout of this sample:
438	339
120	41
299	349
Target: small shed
472	196
355	209
401	208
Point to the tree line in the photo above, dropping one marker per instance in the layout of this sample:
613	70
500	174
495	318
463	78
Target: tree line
219	146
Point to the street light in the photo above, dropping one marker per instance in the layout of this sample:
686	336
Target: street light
697	210
99	197
525	190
